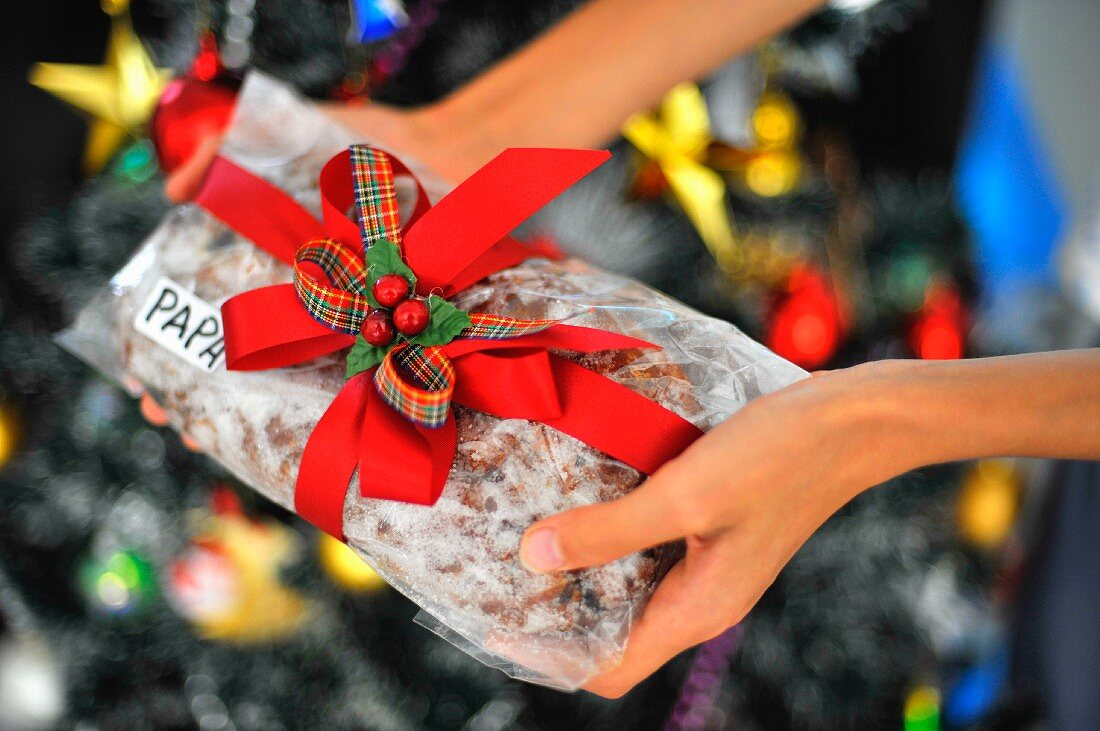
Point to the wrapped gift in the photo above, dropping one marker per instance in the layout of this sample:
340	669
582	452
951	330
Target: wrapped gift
415	381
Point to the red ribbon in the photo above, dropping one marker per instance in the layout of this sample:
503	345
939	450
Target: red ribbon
450	246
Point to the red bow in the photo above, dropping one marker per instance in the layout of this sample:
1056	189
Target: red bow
450	246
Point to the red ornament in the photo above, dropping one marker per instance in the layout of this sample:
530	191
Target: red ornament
208	63
390	289
939	332
378	328
805	325
354	89
225	501
189	111
649	182
411	317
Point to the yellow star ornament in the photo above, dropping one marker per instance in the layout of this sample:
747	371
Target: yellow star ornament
120	95
676	138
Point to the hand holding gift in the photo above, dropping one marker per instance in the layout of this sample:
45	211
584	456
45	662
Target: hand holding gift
748	494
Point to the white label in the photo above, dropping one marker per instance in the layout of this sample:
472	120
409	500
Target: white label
177	320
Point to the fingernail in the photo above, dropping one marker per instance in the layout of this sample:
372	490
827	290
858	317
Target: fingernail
540	552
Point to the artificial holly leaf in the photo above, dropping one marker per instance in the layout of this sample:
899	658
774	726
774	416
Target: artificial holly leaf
384	257
447	321
363	356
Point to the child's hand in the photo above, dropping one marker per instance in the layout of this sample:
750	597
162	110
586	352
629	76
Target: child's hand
745	497
156	416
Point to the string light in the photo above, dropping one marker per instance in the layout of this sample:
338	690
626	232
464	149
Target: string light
773	173
922	709
118	585
988	502
137	163
9	434
775	121
939	331
207	63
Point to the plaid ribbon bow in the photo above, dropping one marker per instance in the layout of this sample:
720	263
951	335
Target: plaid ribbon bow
417	381
393	426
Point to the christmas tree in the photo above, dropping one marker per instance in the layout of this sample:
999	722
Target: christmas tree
130	581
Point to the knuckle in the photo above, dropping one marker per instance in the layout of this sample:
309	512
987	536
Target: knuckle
733	615
612	686
694	511
718	623
570	532
614	692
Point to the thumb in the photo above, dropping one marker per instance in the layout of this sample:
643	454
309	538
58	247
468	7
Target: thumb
597	534
184	182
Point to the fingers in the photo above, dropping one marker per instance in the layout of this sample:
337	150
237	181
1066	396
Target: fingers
709	591
597	534
184	182
157	416
690	606
152	411
664	630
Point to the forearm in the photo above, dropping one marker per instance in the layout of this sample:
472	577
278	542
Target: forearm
575	85
1038	405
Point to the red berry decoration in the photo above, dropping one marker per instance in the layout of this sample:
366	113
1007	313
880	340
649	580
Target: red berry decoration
378	328
411	317
390	290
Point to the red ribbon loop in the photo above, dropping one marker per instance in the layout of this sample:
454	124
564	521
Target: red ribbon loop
257	210
399	460
486	208
254	342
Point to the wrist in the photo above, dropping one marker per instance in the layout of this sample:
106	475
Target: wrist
874	410
913	402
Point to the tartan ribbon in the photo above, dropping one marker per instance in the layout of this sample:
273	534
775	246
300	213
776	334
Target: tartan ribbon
342	303
416	381
419	382
375	195
498	365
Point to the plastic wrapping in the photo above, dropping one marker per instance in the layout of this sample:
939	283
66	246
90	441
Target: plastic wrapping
457	559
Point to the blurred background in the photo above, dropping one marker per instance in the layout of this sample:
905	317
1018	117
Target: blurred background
901	179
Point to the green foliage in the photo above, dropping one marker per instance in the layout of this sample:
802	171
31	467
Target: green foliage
364	356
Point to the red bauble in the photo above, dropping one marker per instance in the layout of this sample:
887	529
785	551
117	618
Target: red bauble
378	328
805	325
208	62
189	112
939	330
411	317
390	290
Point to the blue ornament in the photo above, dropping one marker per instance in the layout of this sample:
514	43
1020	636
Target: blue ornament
374	20
977	690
